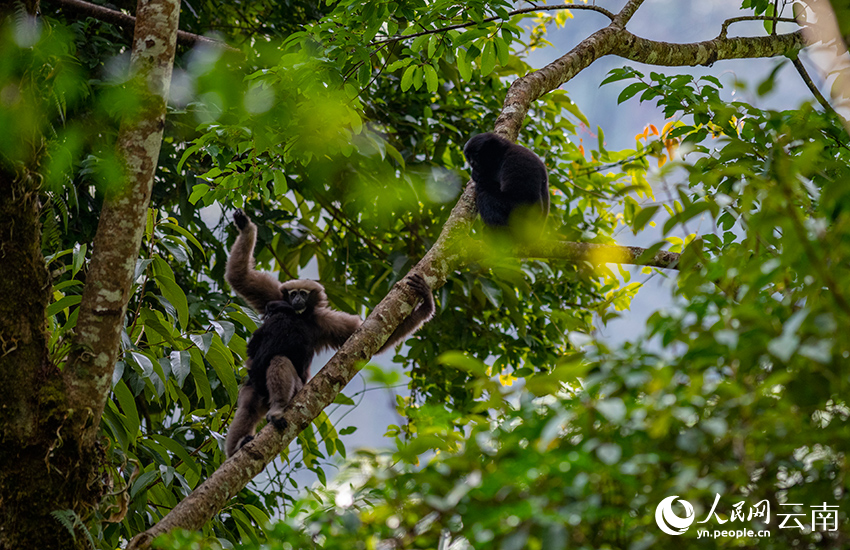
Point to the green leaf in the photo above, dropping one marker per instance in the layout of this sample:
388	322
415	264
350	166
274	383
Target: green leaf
464	65
432	45
225	330
181	365
503	51
199	191
407	78
143	482
364	75
79	259
463	362
240	317
199	376
342	399
128	408
488	59
164	278
177	247
630	91
643	217
63	303
178	451
222	362
152	323
186	155
187	234
430	78
398	64
144	363
203	341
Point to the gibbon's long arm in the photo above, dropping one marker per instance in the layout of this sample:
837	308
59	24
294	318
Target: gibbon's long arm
419	316
338	326
255	287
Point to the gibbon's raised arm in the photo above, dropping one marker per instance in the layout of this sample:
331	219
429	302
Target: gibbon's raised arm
255	287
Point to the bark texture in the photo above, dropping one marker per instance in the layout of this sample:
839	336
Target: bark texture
122	222
41	468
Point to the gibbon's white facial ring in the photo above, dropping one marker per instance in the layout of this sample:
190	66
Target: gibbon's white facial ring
299	297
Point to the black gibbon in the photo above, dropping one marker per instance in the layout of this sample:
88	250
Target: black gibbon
298	323
506	176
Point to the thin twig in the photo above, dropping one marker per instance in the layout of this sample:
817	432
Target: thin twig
399	37
814	89
725	28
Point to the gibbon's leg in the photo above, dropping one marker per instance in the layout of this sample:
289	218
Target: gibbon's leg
250	408
421	314
283	382
256	287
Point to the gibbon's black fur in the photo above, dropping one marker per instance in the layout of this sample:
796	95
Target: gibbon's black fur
298	323
506	176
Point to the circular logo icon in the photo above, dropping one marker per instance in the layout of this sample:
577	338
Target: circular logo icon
668	521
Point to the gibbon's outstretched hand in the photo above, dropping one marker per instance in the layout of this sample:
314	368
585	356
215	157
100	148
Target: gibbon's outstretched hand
298	323
506	176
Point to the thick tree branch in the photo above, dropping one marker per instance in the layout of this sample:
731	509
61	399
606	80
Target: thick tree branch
626	14
128	22
88	373
598	254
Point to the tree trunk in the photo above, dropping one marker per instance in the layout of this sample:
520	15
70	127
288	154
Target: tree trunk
50	457
42	467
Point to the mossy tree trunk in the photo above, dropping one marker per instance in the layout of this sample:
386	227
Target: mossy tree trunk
50	457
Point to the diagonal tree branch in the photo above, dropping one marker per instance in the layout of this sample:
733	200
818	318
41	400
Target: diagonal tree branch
599	254
826	33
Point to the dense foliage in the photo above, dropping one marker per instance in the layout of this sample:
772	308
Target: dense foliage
339	128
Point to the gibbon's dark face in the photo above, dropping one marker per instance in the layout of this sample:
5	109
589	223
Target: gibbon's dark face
299	298
485	148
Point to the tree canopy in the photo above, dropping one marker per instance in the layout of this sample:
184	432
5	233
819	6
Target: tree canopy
338	127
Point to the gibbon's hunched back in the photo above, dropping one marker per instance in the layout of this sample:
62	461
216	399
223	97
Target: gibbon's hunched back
507	176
